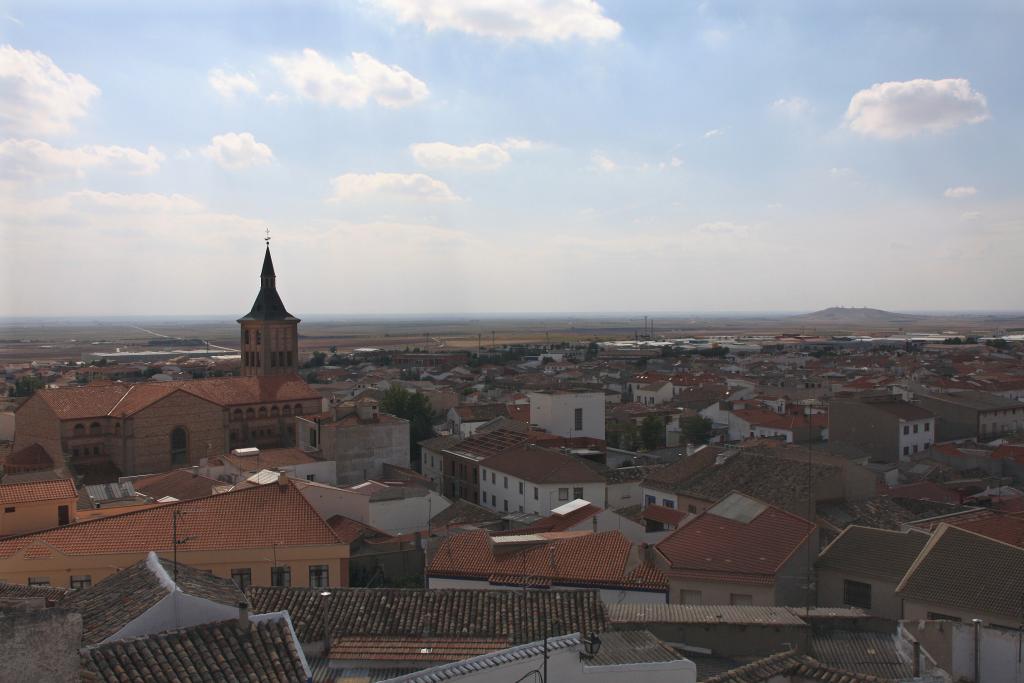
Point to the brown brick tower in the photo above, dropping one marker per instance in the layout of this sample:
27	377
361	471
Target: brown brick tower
270	339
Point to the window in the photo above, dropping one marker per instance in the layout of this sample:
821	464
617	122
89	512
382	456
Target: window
298	409
650	500
80	582
179	446
668	503
242	578
578	420
74	452
915	429
939	616
319	576
522	488
287	410
247	336
312	438
281	576
62	515
310	477
506	505
79	430
577	492
39	580
906	429
692	509
563	494
689	597
493	478
10	509
289	359
95	428
857	594
506	482
927	426
906	450
536	493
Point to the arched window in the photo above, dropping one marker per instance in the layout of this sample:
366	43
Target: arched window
287	410
95	428
263	411
79	429
237	414
274	412
249	413
179	446
117	429
298	409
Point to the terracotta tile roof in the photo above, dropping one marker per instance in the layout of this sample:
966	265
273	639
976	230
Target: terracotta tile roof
516	616
556	522
461	511
37	491
99	400
675	475
877	553
121	598
995	524
349	530
18	592
423	649
520	412
745	615
29	459
740	537
789	664
181	484
925	490
266	652
480	412
490	443
269	458
255	517
542	466
600	560
967	571
664	515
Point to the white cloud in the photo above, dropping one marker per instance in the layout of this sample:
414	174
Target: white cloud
485	156
901	108
36	159
542	20
602	163
230	85
238	150
713	133
144	202
314	77
841	172
960	192
353	186
36	96
794	107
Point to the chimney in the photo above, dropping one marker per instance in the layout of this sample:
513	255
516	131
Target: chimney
243	616
282	479
195	470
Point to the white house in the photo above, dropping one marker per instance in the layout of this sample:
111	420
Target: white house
392	507
537	480
569	413
653	394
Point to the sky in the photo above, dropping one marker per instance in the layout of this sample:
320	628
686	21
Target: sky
493	156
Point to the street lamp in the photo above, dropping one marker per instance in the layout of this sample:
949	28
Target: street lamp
591	646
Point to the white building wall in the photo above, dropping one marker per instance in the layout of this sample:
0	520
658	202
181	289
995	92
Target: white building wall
405	515
915	441
176	610
494	495
662	498
556	413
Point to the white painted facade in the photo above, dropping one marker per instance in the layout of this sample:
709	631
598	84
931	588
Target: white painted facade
915	436
400	515
506	493
569	413
653	394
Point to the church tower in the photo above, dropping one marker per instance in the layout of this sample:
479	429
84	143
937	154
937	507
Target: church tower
270	334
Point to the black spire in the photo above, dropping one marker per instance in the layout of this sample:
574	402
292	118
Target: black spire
268	304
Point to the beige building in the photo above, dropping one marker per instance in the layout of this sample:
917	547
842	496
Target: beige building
37	505
262	535
862	567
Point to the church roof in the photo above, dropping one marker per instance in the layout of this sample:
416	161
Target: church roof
268	304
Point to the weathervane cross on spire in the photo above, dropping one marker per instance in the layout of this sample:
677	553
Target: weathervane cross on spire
267	238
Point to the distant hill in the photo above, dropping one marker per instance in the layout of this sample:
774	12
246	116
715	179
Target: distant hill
855	316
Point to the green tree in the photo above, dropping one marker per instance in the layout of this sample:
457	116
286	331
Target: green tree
27	385
652	432
318	359
695	429
415	408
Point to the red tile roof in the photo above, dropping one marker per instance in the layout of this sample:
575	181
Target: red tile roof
542	466
37	491
412	648
664	515
180	484
255	517
1008	528
713	546
520	412
350	530
555	522
109	399
594	560
29	459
